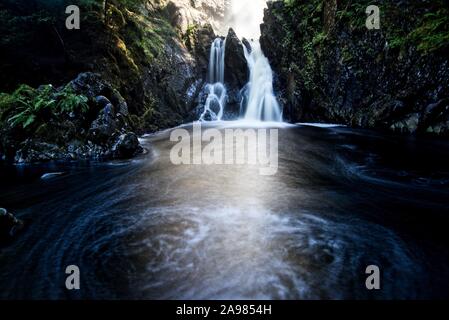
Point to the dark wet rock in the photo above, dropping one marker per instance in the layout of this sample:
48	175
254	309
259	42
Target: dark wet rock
10	226
36	151
90	84
337	71
102	101
247	44
105	126
198	41
236	68
127	146
232	110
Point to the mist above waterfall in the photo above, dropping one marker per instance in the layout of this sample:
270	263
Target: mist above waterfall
245	17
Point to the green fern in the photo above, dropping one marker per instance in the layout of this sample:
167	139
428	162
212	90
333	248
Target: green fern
23	119
68	101
27	106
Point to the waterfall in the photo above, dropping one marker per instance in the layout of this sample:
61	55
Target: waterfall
261	103
217	61
215	89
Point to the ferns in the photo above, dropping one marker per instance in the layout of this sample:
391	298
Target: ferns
26	106
433	34
68	101
24	119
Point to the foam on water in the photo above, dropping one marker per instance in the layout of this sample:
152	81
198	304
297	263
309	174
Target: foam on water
253	253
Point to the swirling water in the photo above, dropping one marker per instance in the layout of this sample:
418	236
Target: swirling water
145	229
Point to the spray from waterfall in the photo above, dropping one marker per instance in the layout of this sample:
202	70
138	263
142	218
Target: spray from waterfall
215	89
261	103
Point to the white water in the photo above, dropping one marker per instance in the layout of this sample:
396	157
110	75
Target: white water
216	61
216	91
262	104
259	102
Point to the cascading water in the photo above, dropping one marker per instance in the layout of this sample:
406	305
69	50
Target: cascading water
261	103
215	89
216	61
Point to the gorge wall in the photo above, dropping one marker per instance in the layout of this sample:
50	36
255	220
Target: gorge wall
136	45
331	68
148	55
138	66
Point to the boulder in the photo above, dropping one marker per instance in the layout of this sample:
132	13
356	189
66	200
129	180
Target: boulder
126	146
9	226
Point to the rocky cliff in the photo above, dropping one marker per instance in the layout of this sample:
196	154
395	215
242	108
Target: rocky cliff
331	68
187	13
149	53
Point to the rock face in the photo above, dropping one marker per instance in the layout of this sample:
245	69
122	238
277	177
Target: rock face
331	68
236	67
236	74
198	41
185	13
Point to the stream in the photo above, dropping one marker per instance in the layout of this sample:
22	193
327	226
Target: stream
342	199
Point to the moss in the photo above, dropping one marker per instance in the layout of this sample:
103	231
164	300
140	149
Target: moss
319	38
353	14
189	36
